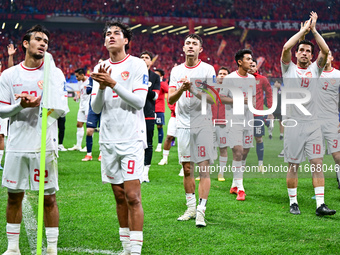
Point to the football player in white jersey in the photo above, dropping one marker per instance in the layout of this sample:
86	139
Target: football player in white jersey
305	139
328	114
119	92
194	129
83	111
241	135
20	94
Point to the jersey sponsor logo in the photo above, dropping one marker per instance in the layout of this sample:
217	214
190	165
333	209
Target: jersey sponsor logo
145	79
125	75
40	84
17	85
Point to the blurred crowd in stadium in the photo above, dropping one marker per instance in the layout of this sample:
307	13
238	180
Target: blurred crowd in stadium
71	50
234	9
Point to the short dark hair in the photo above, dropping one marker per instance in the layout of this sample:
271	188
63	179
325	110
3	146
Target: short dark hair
305	42
29	32
161	71
240	54
223	68
125	30
80	71
194	36
146	53
254	60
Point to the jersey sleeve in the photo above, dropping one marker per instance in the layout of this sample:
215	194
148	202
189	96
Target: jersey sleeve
285	67
141	79
316	68
5	89
173	79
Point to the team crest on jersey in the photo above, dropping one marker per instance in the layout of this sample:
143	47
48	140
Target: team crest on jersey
198	83
125	75
40	84
309	74
333	81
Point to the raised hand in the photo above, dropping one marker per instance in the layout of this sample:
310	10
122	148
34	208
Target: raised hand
103	77
11	50
314	18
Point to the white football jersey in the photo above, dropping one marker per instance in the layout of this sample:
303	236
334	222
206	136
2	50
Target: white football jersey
243	83
188	107
119	121
307	78
24	126
329	85
84	98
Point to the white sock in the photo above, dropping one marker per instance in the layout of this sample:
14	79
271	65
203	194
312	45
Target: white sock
239	184
13	232
223	163
202	204
281	134
319	196
89	154
238	175
166	154
146	170
191	200
292	193
1	154
159	145
124	236
52	236
260	162
136	240
80	135
244	162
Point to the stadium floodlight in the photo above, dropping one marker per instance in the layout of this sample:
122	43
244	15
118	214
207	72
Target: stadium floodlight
328	34
155	26
176	29
184	31
162	29
220	30
16	26
209	29
145	30
198	27
135	26
3	25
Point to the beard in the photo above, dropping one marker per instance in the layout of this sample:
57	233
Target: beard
38	56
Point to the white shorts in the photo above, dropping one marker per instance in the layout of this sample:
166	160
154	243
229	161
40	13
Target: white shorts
329	129
21	171
122	162
238	135
172	127
82	116
196	145
220	136
3	126
303	140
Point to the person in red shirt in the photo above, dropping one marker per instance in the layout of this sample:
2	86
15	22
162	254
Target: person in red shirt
160	108
262	86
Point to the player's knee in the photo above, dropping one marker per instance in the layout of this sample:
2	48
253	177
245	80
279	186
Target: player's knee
50	201
133	198
258	139
15	197
186	169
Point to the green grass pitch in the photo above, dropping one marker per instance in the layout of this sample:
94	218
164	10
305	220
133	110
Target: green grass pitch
261	224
